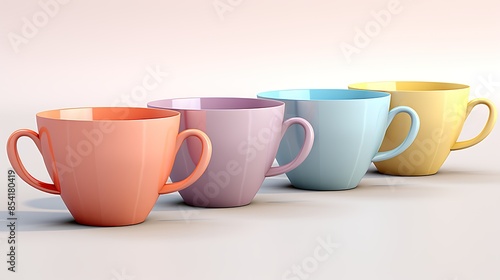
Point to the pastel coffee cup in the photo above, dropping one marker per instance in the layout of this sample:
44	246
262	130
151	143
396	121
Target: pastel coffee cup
443	109
245	134
349	127
109	165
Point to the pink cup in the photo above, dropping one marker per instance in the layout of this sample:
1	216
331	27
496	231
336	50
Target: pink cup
109	165
245	135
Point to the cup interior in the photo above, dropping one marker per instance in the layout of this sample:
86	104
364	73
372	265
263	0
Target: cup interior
214	103
106	114
322	94
407	86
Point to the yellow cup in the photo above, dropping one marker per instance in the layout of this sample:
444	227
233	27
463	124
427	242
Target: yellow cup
442	108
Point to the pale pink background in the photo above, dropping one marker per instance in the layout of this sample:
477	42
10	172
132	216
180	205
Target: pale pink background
94	52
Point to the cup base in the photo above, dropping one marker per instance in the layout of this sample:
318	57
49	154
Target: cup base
99	224
323	188
217	205
414	174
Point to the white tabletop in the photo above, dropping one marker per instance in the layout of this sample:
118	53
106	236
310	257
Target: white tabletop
442	227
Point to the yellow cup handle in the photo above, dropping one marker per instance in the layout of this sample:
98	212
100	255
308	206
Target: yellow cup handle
492	117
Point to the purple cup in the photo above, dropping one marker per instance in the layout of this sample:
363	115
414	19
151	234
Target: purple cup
245	135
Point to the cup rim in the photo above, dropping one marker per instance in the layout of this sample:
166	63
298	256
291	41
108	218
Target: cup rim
380	94
146	114
445	86
267	104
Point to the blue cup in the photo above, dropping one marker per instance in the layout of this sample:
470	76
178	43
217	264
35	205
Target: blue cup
349	126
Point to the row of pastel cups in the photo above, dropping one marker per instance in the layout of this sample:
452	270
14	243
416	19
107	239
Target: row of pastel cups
109	165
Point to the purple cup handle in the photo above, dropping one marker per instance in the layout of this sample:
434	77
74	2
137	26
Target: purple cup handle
304	152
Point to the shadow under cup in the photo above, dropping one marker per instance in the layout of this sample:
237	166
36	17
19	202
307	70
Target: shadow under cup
349	127
245	135
109	165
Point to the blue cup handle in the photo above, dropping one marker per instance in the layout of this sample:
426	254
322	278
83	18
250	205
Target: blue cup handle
412	134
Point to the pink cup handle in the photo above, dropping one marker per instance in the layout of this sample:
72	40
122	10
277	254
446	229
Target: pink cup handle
304	152
206	154
18	166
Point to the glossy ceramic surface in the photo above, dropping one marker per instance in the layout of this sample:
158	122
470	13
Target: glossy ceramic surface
349	127
109	164
245	135
443	108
